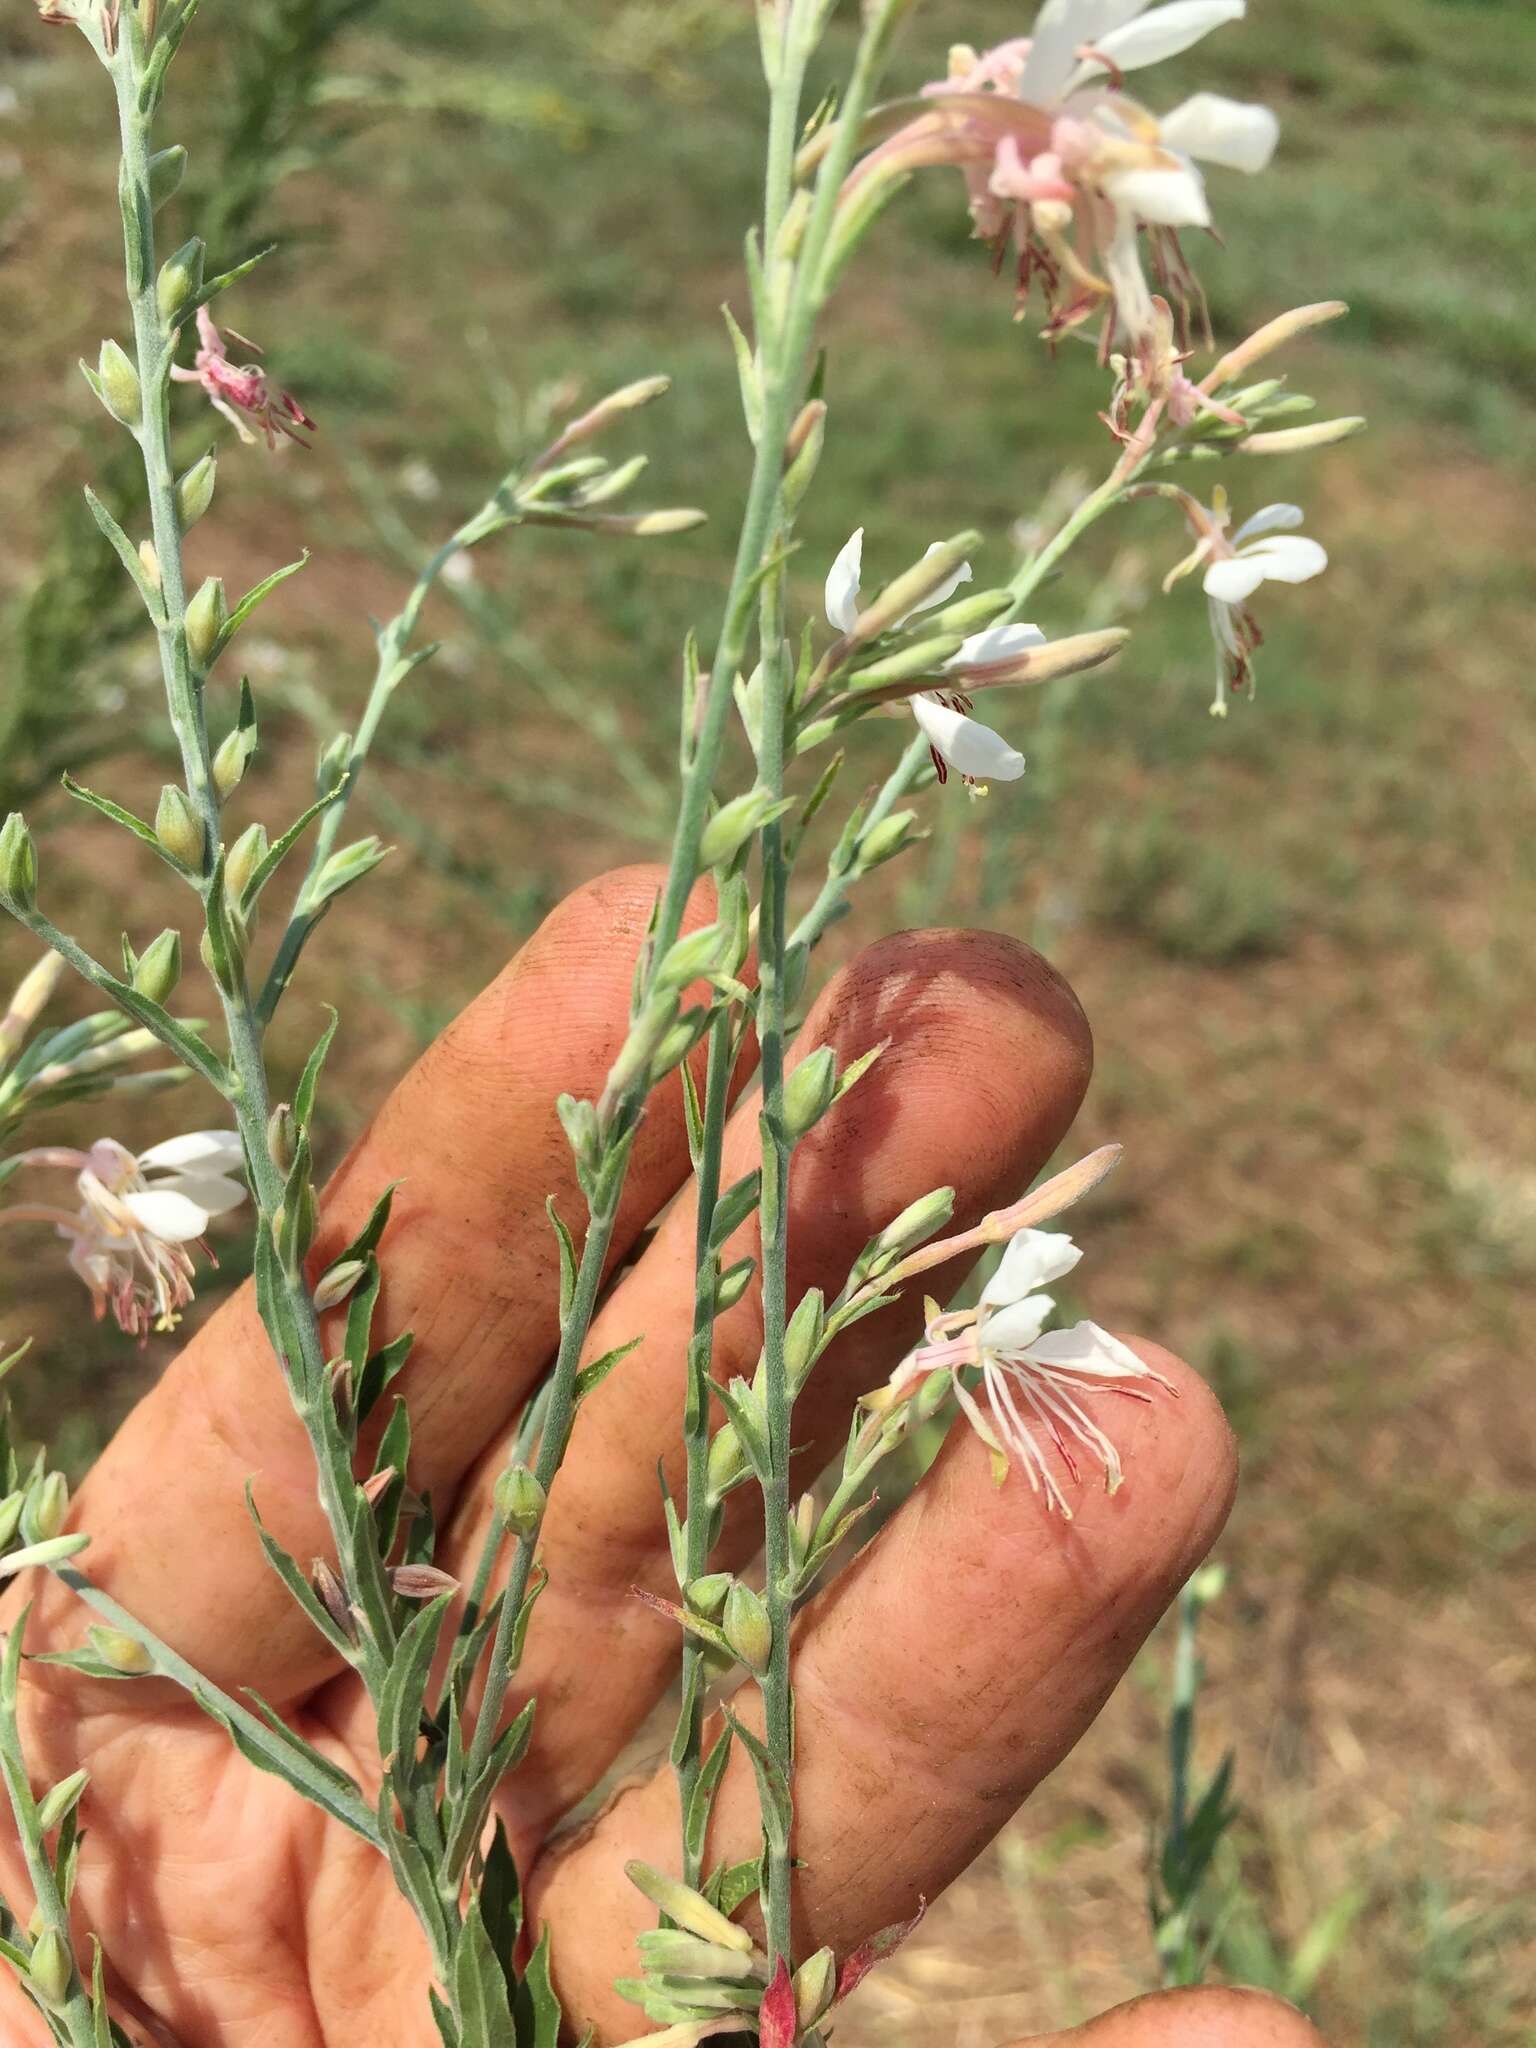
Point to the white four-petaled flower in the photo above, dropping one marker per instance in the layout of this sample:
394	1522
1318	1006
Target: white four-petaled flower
1033	1381
958	741
137	1214
1261	551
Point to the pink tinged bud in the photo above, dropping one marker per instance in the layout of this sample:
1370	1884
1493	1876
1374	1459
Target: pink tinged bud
421	1581
1294	440
875	1950
1266	339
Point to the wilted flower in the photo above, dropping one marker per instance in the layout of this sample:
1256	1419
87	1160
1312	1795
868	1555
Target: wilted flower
137	1215
1260	551
1033	1380
1057	154
959	742
242	391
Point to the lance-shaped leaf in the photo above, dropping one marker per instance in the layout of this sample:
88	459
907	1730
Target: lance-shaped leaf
772	1787
254	596
539	2017
402	1697
296	1580
284	844
278	1750
127	554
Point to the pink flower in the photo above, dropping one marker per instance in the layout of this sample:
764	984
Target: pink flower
242	391
1058	157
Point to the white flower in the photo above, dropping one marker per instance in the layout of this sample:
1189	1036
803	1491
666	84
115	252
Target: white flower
137	1214
1259	552
1033	1380
959	742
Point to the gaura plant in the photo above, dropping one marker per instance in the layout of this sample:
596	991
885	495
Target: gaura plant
1086	192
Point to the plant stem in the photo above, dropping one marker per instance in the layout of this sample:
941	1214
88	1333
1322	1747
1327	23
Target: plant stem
75	2014
699	1526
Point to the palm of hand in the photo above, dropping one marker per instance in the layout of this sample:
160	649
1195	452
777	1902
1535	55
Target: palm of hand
939	1679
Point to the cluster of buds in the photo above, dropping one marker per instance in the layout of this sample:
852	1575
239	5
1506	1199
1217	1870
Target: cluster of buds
84	1060
33	1513
563	486
704	1974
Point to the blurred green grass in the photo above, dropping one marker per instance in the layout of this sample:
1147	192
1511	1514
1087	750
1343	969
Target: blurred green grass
1302	933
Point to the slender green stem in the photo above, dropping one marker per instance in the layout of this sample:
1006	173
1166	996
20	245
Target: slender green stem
75	2014
699	1527
1032	573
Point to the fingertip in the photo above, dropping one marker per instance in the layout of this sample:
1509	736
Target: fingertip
989	1056
1207	2016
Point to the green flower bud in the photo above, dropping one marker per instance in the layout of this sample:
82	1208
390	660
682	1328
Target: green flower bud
332	765
697	953
707	1595
232	760
919	1220
519	1500
932	1395
124	1653
734	824
945	563
158	968
733	1284
180	278
883	841
243	859
10	1517
747	1628
46	1506
337	1282
282	1139
688	1908
802	1338
178	827
50	1970
207	616
166	167
815	1986
194	491
61	1800
121	391
727	1459
18	862
809	1090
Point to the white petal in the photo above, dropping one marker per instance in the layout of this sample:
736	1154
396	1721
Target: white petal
1165	31
218	1149
1233	580
167	1215
209	1191
843	577
1288	558
996	643
1034	1259
946	589
1266	520
1007	1332
1085	1348
966	744
1236	133
1061	27
1165	199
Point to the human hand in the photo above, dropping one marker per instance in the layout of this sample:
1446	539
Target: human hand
939	1679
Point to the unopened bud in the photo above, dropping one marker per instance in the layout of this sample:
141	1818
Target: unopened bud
803	451
1274	334
122	1652
207	616
18	862
733	1284
232	760
178	827
944	564
50	1970
282	1139
734	824
688	1908
602	416
802	1338
932	1395
651	525
421	1581
10	1517
727	1459
919	1220
696	953
121	391
616	482
883	841
808	1092
158	968
815	1986
151	563
519	1500
338	1282
972	614
332	764
166	167
1293	440
803	1528
922	658
46	1506
60	1800
243	859
194	491
707	1595
747	1627
180	277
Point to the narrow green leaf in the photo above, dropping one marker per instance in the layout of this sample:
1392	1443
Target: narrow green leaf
403	1695
286	1759
592	1376
702	1798
380	1369
213	286
479	1987
309	1082
119	816
539	2017
253	597
288	1570
126	553
567	1258
284	844
501	1902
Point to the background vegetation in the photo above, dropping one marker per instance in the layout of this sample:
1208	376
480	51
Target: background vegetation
1301	934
